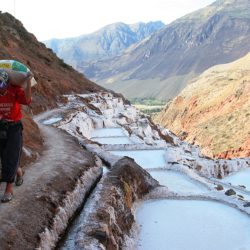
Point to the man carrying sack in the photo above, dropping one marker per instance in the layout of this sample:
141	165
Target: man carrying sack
11	139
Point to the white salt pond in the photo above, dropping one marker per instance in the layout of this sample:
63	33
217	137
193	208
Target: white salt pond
147	159
52	120
191	225
108	132
239	178
178	182
110	136
112	140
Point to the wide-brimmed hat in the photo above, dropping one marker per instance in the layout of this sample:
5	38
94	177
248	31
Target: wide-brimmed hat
3	79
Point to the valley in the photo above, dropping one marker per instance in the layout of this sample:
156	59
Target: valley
150	107
137	136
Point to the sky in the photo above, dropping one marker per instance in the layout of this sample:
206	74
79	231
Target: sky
48	19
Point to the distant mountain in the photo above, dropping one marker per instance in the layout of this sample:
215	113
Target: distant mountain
104	43
213	111
161	65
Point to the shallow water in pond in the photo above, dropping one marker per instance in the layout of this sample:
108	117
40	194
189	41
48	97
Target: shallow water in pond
113	140
107	132
191	225
147	159
241	177
52	120
178	182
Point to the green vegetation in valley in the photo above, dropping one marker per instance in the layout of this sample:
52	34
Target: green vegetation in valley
147	101
148	106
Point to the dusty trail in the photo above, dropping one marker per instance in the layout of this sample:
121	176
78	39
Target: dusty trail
45	183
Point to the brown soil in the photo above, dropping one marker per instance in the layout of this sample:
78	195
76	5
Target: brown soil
46	182
213	111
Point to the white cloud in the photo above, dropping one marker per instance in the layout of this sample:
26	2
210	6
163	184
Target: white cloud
65	18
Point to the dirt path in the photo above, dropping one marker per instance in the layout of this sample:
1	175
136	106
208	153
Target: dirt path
45	183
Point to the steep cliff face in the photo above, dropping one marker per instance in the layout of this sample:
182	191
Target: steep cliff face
213	111
54	77
161	66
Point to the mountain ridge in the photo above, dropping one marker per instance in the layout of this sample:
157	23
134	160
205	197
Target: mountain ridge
103	43
180	51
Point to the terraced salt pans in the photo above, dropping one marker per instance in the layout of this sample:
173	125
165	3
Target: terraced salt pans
147	159
110	136
211	230
161	227
113	140
52	120
178	182
240	178
108	132
191	224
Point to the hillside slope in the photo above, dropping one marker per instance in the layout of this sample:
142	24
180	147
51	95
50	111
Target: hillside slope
54	77
213	111
161	66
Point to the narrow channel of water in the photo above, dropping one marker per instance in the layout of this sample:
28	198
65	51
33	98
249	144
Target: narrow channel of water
192	225
69	238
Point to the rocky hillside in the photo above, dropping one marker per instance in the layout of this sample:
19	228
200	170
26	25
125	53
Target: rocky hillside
109	41
54	77
213	111
161	66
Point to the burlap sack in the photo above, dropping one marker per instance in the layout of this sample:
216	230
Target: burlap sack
17	72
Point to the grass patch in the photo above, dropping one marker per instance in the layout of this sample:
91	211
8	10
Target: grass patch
148	106
147	101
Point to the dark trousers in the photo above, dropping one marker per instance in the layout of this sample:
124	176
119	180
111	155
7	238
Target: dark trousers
10	151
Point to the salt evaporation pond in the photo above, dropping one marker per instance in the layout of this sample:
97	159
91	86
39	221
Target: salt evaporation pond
113	140
242	177
107	132
178	182
52	120
110	136
192	224
147	159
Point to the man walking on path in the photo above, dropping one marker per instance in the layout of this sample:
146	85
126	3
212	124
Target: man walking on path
11	138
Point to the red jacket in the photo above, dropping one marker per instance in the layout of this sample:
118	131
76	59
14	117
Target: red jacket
10	108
